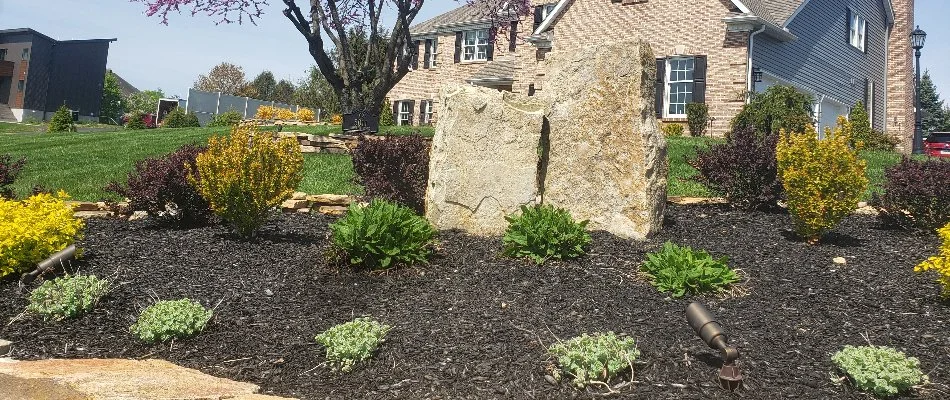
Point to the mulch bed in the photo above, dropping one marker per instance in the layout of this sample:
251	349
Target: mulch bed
475	325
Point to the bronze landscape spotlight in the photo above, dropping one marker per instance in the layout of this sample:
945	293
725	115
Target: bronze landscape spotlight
57	259
706	326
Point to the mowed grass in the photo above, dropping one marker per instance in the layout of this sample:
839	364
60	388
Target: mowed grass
13	127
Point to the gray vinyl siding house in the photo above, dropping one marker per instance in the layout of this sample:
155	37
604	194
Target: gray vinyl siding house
822	60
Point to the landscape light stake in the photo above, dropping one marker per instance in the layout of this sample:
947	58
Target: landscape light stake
708	329
59	258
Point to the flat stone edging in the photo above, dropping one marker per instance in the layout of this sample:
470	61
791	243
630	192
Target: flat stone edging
330	204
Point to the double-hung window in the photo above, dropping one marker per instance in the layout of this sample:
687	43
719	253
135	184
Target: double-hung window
432	48
858	29
405	113
427	113
679	86
475	45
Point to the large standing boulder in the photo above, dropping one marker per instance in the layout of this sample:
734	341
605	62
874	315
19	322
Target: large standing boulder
607	157
484	159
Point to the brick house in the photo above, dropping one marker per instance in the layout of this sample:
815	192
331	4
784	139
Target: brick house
38	74
708	51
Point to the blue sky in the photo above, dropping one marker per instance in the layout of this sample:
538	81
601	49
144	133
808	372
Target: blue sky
151	55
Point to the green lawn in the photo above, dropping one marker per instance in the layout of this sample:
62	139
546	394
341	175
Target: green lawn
12	127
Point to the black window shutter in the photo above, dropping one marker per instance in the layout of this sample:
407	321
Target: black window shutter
490	52
699	79
847	27
458	46
412	106
537	17
428	55
422	111
396	112
660	86
513	36
415	54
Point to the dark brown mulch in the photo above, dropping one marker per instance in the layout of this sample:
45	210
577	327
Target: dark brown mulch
475	325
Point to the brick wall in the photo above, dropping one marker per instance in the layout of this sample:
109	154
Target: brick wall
900	76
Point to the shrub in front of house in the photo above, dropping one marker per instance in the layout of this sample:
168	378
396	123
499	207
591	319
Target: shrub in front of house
697	115
9	170
171	320
136	120
382	234
779	108
544	232
743	170
673	130
916	194
160	186
596	358
246	175
879	370
33	229
823	180
67	297
679	270
230	118
395	168
860	134
62	121
178	118
350	343
940	263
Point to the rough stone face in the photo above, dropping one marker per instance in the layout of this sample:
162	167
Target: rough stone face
607	157
484	160
115	380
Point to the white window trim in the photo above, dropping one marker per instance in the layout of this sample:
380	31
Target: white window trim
433	52
428	114
404	104
666	86
474	47
858	31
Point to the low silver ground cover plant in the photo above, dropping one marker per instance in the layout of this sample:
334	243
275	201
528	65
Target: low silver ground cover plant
170	320
67	297
594	359
352	342
880	370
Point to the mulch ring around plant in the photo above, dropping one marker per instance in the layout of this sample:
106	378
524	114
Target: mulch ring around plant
474	325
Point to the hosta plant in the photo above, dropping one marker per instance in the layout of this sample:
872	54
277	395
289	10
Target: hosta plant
679	270
67	297
597	358
172	319
543	232
382	234
941	262
352	342
879	370
33	229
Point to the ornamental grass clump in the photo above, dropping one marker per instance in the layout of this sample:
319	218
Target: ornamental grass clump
382	234
171	320
33	229
67	297
246	175
352	342
940	263
823	179
543	232
880	370
597	358
679	270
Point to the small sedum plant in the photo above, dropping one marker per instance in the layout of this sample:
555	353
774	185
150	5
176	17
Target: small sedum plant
600	357
352	342
681	270
171	319
67	297
382	234
880	370
544	232
940	263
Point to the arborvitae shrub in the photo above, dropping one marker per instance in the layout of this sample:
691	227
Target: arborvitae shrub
823	180
916	194
394	168
386	117
382	234
698	116
673	130
178	118
543	232
62	121
779	108
9	171
33	229
860	134
67	297
167	320
246	175
941	262
160	187
743	170
230	118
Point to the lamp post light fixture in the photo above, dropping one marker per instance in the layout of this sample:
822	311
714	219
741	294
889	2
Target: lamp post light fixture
708	329
756	77
917	39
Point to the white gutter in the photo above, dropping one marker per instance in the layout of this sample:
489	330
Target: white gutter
749	81
553	15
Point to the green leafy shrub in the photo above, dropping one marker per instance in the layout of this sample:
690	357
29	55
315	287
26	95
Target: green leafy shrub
171	319
33	229
352	342
779	108
880	370
681	270
544	232
673	130
62	121
860	134
178	118
135	120
67	297
697	115
381	234
230	118
600	357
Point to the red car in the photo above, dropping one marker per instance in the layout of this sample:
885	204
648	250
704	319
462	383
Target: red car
937	144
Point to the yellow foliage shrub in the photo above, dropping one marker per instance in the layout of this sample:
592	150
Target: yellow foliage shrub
266	112
823	179
33	229
285	114
336	119
305	114
940	263
244	176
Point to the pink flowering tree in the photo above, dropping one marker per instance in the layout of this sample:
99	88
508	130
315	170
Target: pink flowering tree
360	77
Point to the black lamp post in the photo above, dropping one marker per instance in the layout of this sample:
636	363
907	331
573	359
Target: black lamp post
917	39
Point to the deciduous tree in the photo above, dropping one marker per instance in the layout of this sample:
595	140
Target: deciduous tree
264	84
226	78
145	101
112	102
283	92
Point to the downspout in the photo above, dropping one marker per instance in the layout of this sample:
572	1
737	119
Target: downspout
749	82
